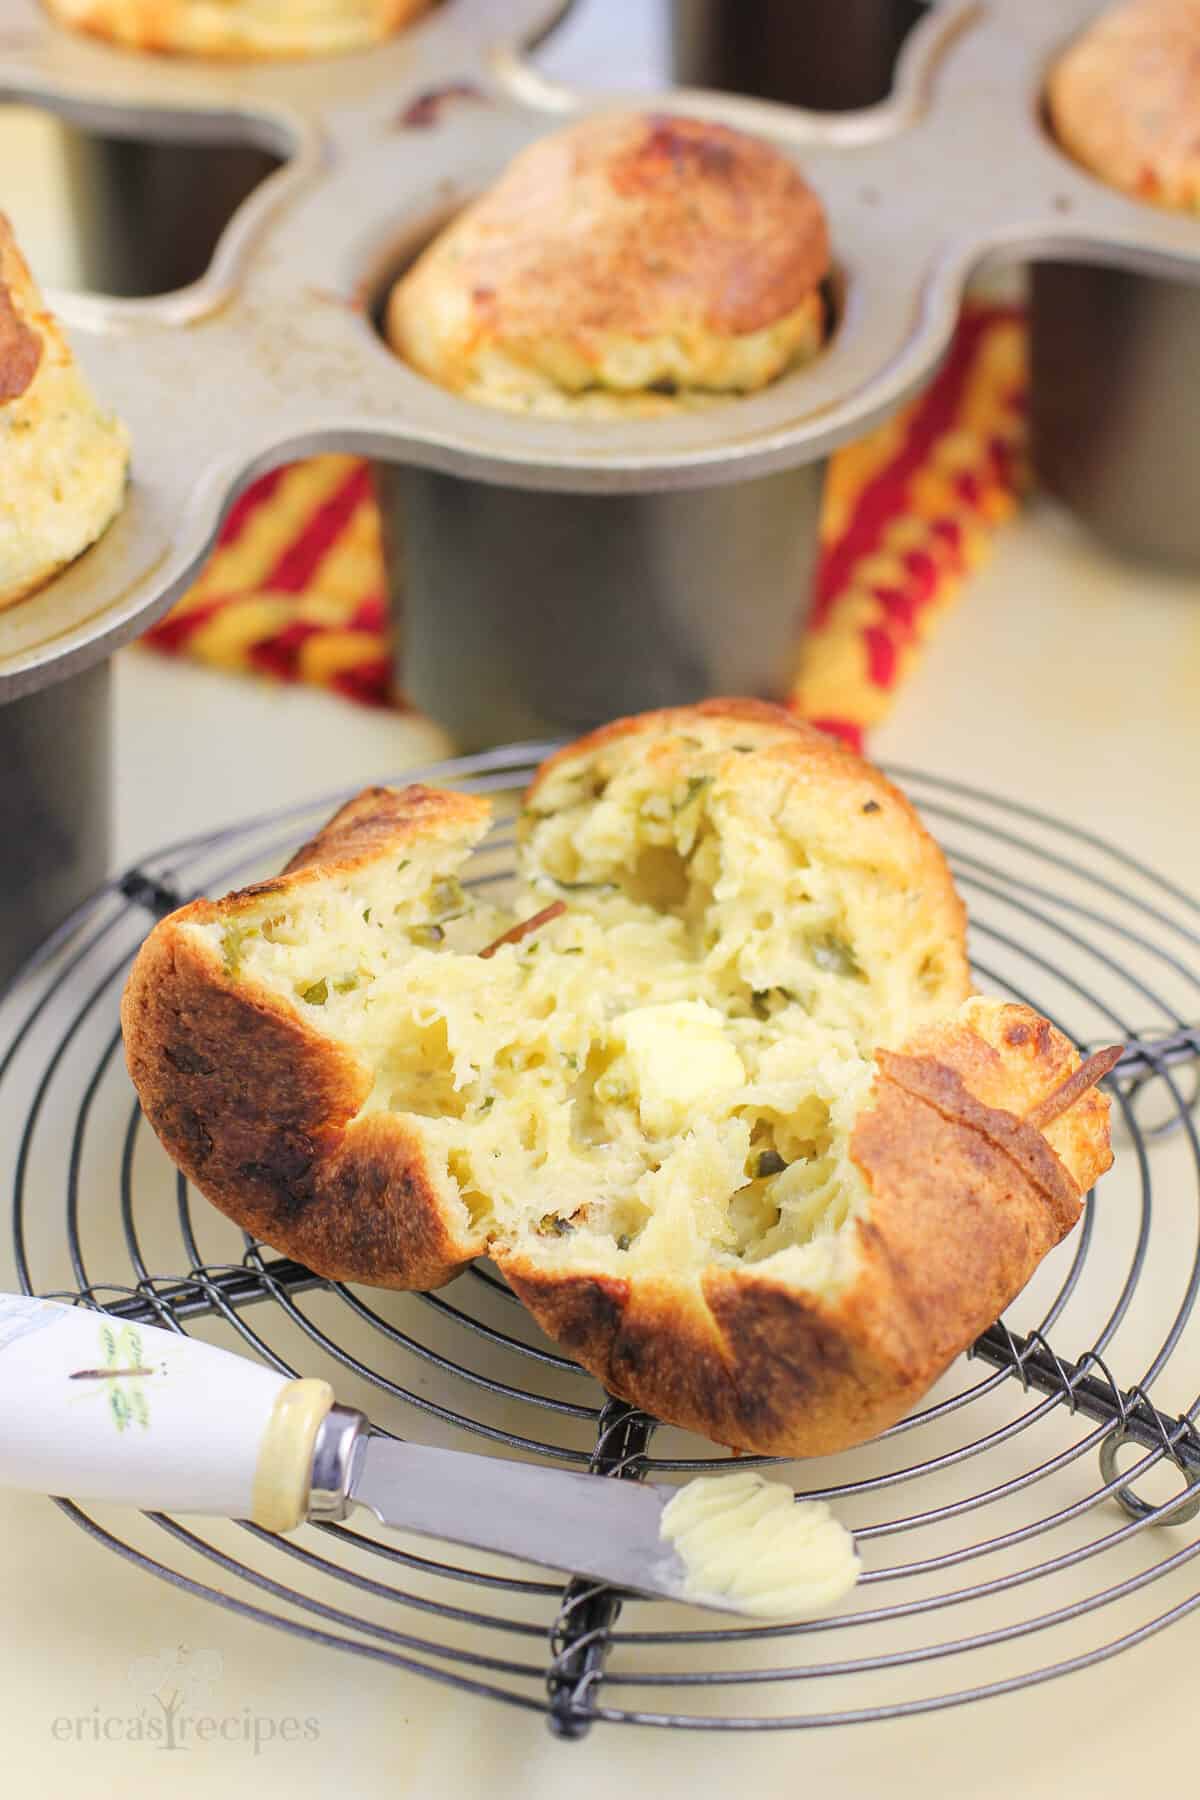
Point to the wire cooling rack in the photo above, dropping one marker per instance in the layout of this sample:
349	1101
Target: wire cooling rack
1037	1514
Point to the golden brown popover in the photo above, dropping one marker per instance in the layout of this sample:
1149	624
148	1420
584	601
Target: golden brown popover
63	460
240	28
1125	100
710	1090
630	263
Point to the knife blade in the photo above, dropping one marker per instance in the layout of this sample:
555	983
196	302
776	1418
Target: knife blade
734	1542
581	1524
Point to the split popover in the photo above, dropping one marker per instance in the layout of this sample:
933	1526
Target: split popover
711	1090
628	264
63	460
240	28
1124	100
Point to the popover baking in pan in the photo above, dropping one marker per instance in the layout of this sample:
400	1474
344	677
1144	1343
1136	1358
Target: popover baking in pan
240	28
628	264
1124	100
712	1090
63	460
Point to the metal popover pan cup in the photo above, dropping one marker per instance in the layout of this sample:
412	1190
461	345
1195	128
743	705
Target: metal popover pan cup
1115	399
527	613
274	353
831	55
55	751
1115	405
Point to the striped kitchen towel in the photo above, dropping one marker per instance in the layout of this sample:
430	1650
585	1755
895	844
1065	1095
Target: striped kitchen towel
295	589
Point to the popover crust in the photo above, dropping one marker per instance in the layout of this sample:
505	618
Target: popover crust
20	348
624	253
1124	100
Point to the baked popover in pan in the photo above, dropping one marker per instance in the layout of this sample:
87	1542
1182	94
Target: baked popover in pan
628	265
257	30
64	460
1124	100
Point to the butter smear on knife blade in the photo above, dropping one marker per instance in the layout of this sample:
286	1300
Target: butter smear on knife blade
750	1544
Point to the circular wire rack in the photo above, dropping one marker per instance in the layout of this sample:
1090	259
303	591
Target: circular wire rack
1036	1515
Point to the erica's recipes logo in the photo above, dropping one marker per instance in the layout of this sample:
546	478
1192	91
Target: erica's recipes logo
173	1708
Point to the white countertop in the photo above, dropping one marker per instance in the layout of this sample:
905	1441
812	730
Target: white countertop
1062	678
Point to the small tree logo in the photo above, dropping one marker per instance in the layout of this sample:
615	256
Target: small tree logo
174	1679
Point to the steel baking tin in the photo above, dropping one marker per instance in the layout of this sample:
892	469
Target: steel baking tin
272	353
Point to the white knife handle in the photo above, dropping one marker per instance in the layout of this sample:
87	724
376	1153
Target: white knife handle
97	1408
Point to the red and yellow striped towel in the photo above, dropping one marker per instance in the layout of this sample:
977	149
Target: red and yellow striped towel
295	588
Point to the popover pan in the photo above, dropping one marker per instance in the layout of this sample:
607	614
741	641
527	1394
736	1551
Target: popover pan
273	353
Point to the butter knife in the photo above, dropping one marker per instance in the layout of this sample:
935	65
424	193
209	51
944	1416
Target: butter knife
102	1409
